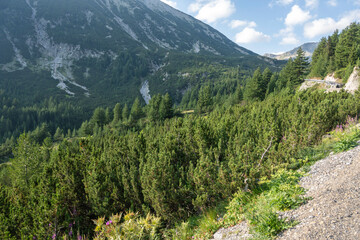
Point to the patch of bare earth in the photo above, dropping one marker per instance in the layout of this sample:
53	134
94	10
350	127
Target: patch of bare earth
237	232
334	211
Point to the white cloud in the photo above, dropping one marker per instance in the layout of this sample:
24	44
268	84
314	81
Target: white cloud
297	16
284	2
250	35
288	36
357	2
171	3
240	23
281	2
290	40
325	26
312	3
319	27
332	3
194	7
212	10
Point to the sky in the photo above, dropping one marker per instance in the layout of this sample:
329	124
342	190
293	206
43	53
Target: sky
272	26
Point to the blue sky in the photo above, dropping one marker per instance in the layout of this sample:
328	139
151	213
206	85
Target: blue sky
272	26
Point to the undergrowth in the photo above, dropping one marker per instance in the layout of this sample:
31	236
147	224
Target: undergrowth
259	207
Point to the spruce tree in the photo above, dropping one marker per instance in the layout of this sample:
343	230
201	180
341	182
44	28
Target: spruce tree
59	135
204	99
154	104
136	110
253	88
266	77
109	115
125	113
117	113
99	116
165	108
301	65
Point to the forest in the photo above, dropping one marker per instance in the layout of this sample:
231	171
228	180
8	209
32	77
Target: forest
160	164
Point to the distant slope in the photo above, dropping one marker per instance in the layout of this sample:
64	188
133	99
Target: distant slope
102	51
308	48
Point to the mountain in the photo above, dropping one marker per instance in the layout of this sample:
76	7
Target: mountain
308	48
103	51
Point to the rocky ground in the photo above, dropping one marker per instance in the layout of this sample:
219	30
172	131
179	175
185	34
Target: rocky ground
333	212
237	232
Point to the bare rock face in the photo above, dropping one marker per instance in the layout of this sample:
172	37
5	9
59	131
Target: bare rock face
332	78
353	82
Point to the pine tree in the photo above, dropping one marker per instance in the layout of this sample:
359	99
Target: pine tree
125	113
136	110
347	39
301	65
266	78
272	84
154	104
117	113
59	135
254	87
109	115
99	116
204	99
239	95
27	161
165	108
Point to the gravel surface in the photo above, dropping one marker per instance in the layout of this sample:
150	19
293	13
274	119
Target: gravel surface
334	211
333	183
237	232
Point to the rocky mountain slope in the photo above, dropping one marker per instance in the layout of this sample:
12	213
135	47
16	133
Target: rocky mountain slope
308	48
84	46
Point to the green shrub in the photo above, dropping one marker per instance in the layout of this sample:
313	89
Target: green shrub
131	226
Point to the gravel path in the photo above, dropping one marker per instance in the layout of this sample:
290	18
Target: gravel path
334	211
237	232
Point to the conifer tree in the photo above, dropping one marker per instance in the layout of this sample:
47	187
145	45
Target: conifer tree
27	161
253	88
266	77
239	95
117	113
136	110
300	67
272	84
347	39
59	135
154	105
165	107
204	99
109	115
125	113
99	116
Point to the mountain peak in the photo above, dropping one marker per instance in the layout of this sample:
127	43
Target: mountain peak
308	48
70	40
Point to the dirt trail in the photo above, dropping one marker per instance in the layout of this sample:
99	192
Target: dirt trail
334	211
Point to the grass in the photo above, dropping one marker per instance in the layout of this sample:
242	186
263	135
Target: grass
261	206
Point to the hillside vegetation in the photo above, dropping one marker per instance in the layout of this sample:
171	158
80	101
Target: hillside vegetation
141	171
337	53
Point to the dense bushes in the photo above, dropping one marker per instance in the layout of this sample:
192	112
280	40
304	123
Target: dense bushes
173	169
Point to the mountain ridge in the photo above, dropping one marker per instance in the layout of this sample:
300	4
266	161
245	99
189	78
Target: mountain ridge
308	48
90	45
